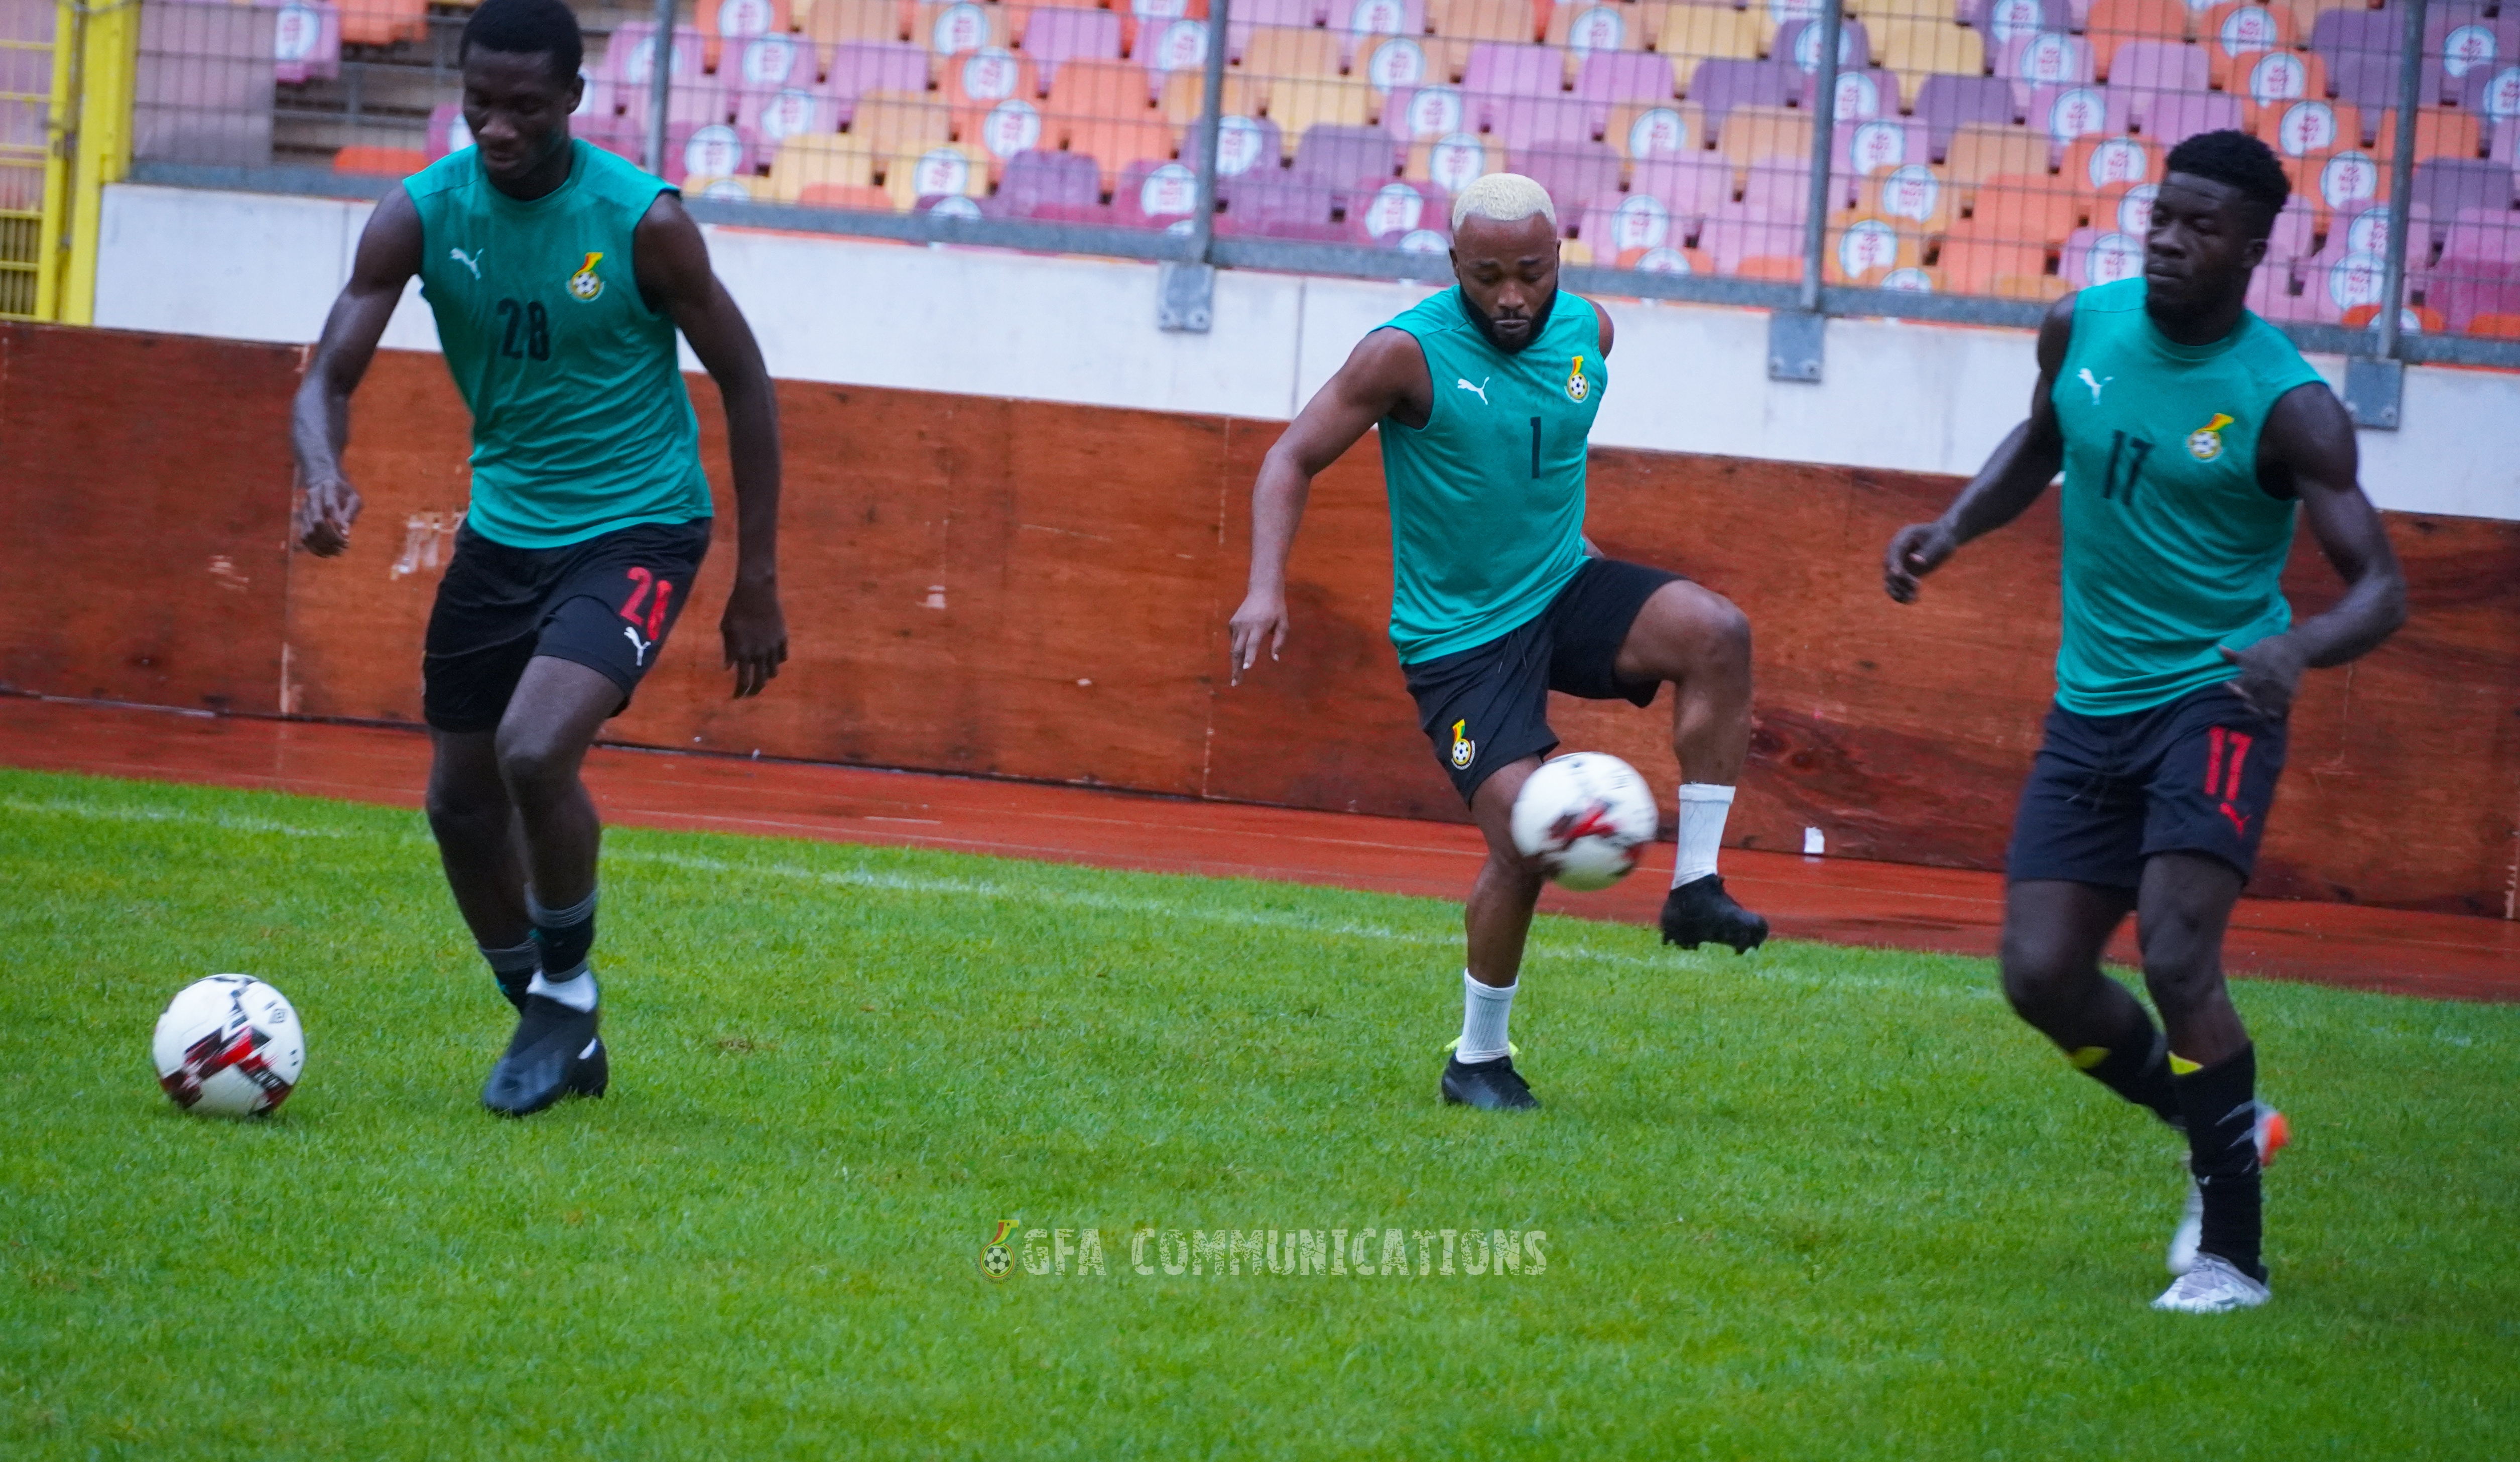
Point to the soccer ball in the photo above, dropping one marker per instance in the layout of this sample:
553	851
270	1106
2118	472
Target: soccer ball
229	1046
1584	816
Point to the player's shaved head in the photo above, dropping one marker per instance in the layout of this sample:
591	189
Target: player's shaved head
1505	255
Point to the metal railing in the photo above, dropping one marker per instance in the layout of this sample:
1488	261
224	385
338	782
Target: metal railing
1862	249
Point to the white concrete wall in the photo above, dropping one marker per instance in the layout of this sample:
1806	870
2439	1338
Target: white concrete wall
981	322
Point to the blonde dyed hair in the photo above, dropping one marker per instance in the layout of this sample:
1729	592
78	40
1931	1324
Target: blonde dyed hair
1504	197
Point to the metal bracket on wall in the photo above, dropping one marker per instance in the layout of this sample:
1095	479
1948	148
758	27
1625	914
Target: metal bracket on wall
1184	296
1796	343
2372	390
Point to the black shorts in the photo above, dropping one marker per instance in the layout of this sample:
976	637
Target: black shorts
1487	706
606	603
2193	775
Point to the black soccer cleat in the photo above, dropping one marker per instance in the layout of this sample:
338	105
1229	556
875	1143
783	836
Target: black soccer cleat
554	1053
1699	912
1489	1086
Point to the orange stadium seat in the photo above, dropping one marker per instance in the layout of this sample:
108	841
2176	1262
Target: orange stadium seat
381	22
837	161
1976	263
1590	26
956	169
1913	196
1983	150
2277	79
2037	209
1114	142
1914	50
1481	20
2312	127
1666	259
1099	88
1779	268
2236	33
949	28
848	197
831	21
889	122
382	162
1279	52
2092	164
2439	133
978	80
2114	23
2495	326
1184	95
738	21
1864	248
1753	133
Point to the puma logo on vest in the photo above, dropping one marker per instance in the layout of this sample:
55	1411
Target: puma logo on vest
471	261
1479	391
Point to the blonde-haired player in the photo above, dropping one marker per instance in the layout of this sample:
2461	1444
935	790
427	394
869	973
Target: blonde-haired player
1485	394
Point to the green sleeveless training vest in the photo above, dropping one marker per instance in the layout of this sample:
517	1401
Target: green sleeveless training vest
2172	549
580	421
1487	498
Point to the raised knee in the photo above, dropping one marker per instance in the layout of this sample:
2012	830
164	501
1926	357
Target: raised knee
1723	637
532	766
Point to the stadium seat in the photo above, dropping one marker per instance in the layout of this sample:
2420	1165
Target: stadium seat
979	81
1454	163
2365	230
1719	86
1863	250
1667	259
2048	58
2503	327
1797	45
2492	91
831	21
1481	20
1913	196
1497	69
1584	29
2035	208
1337	157
2236	33
2412	319
2098	256
2455	136
790	112
1983	150
1053	36
1184	93
383	22
1736	232
1423	114
1154	194
1282	55
772	62
2361	48
1363	25
380	162
1753	134
1865	148
951	170
1779	187
1299	104
2114	23
738	21
2341	181
1618	224
950	28
2002	20
2460	42
1691	186
1179	48
1257	17
2290	244
840	161
1573	172
2094	162
1034	183
841	197
1117	143
1975	264
1690	35
1396	210
2450	187
1639	131
2170	121
1097	88
2067	113
1861	95
2503	144
2272	297
2312	127
2277	79
865	68
1775	268
1918	51
305	44
2127	207
630	55
1946	103
1610	79
1398	63
1529	121
2145	70
889	122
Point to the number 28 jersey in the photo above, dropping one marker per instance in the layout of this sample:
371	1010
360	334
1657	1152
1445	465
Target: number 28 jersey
581	424
2172	549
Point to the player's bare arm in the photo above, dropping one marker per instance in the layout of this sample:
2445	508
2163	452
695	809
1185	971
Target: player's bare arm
675	278
1385	376
320	421
2013	477
2308	448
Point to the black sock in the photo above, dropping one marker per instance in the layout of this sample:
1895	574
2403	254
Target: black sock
513	968
565	935
2221	1104
2136	1066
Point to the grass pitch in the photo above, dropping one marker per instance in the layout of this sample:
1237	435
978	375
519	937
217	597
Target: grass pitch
1817	1202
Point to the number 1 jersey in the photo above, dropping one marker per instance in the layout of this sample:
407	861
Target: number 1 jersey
581	424
2171	547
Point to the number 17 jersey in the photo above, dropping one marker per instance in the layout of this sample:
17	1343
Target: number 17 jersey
581	424
2172	548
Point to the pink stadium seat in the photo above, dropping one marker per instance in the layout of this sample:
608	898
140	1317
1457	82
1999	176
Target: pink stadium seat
1154	194
1609	77
1720	85
2098	256
630	55
1175	47
1530	121
1422	112
860	68
1691	186
1616	224
1503	68
772	62
790	112
1739	231
709	149
2449	185
2150	70
1366	22
2492	91
1779	190
2002	21
1798	46
2505	147
1879	145
1401	214
2289	244
1265	197
2068	114
2360	48
1337	157
1251	14
2460	43
2171	119
1573	172
738	21
1944	102
2051	58
2236	33
305	43
1037	181
1053	36
2363	233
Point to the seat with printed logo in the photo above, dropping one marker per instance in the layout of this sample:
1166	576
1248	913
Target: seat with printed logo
1720	86
2069	114
1947	103
1573	172
1922	51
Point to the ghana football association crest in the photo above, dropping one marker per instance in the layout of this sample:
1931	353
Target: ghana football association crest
2205	443
1464	750
1577	387
995	1260
586	284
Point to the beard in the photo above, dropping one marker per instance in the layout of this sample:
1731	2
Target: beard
1487	324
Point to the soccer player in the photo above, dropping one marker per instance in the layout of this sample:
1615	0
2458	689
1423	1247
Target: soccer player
1485	395
2192	436
558	275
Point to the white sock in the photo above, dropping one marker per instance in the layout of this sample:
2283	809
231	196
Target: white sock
1702	810
577	993
1485	1010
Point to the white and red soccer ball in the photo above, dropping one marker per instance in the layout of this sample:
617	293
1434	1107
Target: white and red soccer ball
229	1046
1585	816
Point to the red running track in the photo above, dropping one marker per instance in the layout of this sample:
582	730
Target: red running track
1839	900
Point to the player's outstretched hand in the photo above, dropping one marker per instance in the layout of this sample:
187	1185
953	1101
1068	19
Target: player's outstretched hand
1914	551
756	636
325	514
1263	617
2269	673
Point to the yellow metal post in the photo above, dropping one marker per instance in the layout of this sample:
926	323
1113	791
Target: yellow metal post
108	66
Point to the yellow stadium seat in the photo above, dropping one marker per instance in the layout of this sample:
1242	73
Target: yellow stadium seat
946	169
1297	104
1186	93
1754	133
949	28
1454	163
1916	195
1276	53
1618	25
888	123
1636	131
1864	248
828	160
1691	33
1983	150
1915	49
